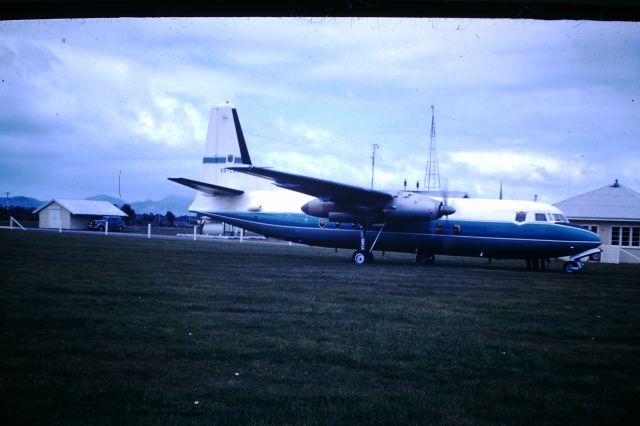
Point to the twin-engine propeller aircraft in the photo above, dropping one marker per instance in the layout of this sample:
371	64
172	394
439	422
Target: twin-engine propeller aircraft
324	213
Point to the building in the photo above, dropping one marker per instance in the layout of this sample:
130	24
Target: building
613	212
74	214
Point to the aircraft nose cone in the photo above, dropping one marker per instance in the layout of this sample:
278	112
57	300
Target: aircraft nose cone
447	210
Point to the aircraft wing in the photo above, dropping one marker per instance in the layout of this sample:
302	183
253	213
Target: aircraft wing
326	190
207	188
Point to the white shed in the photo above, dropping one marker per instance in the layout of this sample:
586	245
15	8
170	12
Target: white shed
74	214
612	212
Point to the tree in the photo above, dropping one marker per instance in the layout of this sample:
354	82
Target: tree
131	214
170	218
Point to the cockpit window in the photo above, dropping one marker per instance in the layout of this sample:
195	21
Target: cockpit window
541	217
559	217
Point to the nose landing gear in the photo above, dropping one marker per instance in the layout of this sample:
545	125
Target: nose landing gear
573	266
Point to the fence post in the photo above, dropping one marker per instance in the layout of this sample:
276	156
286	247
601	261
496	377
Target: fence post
12	220
148	230
195	227
106	228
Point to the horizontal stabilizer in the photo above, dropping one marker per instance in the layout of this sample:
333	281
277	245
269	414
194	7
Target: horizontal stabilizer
207	188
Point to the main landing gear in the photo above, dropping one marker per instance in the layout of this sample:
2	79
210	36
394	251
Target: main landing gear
360	257
364	255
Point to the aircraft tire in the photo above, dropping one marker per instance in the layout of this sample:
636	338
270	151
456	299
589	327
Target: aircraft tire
360	257
573	266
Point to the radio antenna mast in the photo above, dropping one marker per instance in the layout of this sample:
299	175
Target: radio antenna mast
432	174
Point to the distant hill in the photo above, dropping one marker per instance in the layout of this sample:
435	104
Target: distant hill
102	197
173	203
27	202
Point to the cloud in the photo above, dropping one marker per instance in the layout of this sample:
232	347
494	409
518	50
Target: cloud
548	107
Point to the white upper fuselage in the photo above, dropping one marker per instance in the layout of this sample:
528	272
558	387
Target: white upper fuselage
277	200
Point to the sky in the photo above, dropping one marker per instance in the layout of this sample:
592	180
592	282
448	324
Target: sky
116	106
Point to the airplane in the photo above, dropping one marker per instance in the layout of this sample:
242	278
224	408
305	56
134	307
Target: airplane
319	212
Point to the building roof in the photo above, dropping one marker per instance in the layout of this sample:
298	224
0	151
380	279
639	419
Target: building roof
611	202
85	207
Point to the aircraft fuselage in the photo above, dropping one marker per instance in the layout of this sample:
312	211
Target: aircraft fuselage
480	227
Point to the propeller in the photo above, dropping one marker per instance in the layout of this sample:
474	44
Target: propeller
445	208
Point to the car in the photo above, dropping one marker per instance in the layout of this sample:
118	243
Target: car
115	223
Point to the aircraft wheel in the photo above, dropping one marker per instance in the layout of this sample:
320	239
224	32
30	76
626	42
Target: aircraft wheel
359	257
572	266
424	258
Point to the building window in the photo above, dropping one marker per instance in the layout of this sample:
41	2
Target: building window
592	228
625	236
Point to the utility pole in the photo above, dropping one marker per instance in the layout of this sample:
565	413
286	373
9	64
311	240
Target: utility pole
373	161
432	174
7	201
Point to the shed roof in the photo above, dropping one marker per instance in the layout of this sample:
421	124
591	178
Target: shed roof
85	207
611	202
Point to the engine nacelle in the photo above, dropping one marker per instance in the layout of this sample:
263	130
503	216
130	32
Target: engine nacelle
336	213
417	207
319	208
407	207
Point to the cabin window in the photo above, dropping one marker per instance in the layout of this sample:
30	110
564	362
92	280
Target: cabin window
625	236
456	229
439	228
521	216
541	217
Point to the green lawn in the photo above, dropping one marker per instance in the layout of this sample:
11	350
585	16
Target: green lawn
110	330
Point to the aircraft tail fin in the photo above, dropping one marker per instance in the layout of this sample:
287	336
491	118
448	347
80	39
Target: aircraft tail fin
225	146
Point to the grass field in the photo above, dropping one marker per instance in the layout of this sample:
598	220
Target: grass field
111	330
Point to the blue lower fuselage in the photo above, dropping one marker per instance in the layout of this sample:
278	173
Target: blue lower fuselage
496	239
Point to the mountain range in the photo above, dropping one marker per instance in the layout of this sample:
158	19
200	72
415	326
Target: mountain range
173	203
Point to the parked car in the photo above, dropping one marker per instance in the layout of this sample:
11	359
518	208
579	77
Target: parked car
115	223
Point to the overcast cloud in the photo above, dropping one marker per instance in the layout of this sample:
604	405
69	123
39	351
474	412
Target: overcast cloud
549	108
